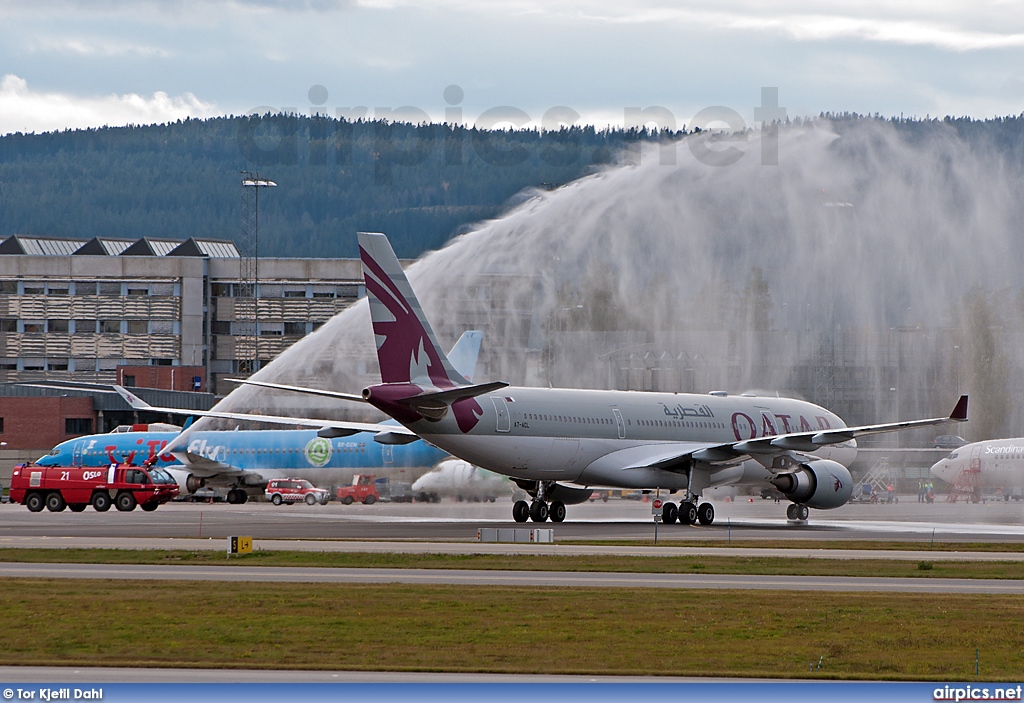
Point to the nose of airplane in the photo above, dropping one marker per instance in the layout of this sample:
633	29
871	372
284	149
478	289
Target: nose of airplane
944	470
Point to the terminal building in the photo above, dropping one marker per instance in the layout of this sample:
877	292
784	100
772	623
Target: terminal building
155	312
149	313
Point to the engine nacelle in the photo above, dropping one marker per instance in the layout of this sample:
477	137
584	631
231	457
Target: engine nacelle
193	484
818	484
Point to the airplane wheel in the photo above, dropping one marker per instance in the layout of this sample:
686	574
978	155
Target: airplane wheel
557	511
539	511
688	513
101	502
77	507
802	512
35	502
669	513
149	507
55	502
791	511
276	499
521	511
706	513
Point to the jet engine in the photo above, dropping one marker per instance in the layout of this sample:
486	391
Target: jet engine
818	484
193	484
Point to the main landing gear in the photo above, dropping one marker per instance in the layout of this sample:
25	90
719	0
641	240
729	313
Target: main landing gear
797	512
538	511
687	513
237	496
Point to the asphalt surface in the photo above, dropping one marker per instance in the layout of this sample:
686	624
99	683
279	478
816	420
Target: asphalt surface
472	577
909	520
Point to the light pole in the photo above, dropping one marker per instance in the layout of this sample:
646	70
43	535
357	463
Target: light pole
249	263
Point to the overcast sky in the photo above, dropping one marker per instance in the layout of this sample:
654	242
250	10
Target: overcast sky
72	64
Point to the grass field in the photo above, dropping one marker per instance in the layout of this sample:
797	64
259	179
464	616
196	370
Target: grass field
792	566
526	630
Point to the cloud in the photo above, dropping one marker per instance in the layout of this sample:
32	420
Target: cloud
97	47
988	24
24	110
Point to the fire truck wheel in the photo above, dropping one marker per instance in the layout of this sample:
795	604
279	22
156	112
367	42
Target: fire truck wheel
369	500
55	502
77	507
149	507
125	502
276	499
310	499
101	502
34	502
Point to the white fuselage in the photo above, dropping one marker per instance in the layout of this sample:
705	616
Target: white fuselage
996	463
586	437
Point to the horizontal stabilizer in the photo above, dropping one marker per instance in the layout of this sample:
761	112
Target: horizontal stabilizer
391	437
299	389
445	397
344	427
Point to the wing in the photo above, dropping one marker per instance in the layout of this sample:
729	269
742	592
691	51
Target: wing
679	456
328	428
206	467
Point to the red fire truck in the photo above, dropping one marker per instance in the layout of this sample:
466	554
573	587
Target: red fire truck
75	487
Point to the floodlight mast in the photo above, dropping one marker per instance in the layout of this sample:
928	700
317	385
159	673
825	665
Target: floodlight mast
247	296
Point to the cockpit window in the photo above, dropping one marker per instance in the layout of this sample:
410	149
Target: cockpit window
54	452
953	455
159	476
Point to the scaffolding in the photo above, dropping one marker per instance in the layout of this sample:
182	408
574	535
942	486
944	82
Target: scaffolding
876	479
966	485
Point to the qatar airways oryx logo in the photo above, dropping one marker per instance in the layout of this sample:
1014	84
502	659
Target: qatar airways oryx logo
837	485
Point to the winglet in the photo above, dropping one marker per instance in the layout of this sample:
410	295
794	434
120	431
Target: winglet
960	411
136	402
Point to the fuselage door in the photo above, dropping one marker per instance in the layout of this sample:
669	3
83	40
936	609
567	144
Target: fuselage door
619	423
503	422
76	457
387	452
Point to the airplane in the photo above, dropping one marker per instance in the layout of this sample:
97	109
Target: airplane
241	459
454	478
992	464
557	443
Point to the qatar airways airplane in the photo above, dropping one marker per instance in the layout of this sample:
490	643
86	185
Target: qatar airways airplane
557	443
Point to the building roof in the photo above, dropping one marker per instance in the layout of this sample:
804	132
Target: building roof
32	245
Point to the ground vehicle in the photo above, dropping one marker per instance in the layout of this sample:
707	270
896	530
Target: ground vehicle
948	441
76	487
363	489
295	490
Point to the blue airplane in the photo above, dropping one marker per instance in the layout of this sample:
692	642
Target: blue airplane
244	460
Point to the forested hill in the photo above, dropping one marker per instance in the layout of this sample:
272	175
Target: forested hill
420	184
